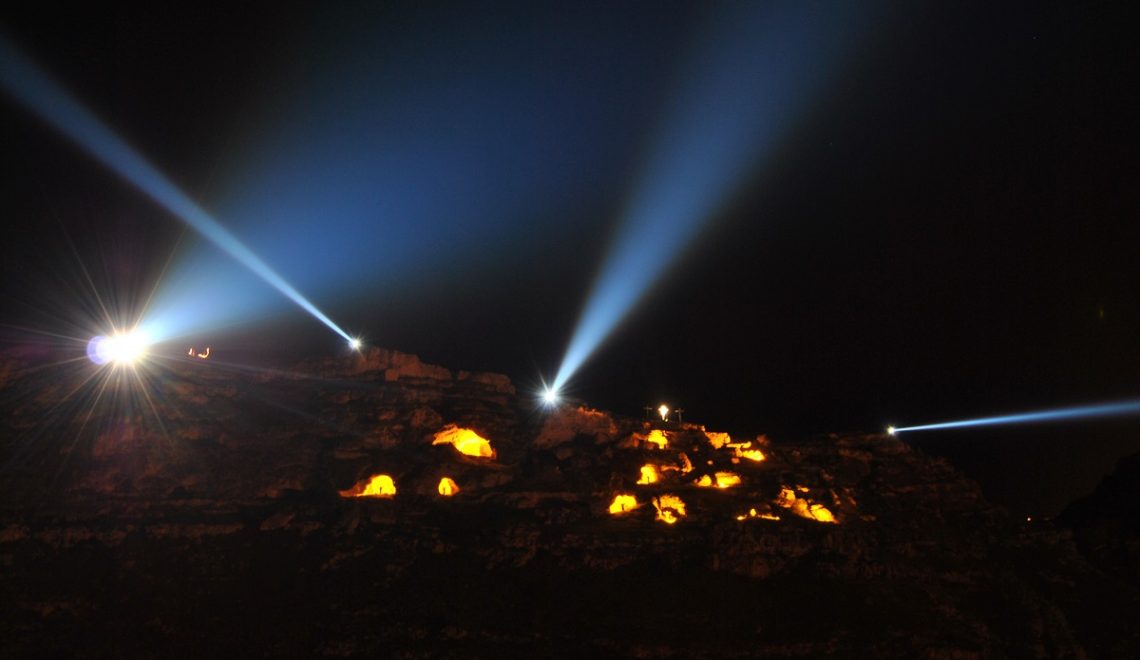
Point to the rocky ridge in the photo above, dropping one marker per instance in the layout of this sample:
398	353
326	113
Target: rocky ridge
206	519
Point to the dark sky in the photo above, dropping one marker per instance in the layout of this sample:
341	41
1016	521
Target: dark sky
949	230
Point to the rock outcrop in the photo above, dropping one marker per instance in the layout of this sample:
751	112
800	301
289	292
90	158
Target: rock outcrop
207	518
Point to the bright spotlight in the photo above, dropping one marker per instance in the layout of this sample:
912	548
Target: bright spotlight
121	349
890	430
664	412
355	343
550	396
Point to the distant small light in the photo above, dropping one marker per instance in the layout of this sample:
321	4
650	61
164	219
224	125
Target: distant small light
550	396
891	430
355	343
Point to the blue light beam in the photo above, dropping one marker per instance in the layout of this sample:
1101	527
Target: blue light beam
32	87
1077	412
751	75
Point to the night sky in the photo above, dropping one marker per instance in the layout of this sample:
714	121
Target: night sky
947	228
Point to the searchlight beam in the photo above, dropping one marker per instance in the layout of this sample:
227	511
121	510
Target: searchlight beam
749	79
1114	409
29	85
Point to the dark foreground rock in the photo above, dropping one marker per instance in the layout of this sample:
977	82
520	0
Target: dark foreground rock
1106	524
204	520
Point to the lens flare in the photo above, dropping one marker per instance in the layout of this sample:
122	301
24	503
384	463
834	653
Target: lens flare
120	349
24	81
1077	412
549	396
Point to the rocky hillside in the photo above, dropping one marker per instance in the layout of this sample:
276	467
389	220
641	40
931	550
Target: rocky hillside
1106	524
380	506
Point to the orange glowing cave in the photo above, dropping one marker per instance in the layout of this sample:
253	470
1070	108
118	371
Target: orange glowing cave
740	449
465	441
718	440
648	475
670	508
380	485
651	472
751	454
623	503
447	487
803	507
658	439
719	480
744	450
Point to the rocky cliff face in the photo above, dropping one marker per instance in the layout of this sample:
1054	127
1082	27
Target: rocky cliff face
206	518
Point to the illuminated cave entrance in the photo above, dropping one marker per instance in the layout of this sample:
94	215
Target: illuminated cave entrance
447	487
380	485
465	441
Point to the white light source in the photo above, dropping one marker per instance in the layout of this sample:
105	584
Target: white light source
550	396
355	343
664	412
120	349
891	430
